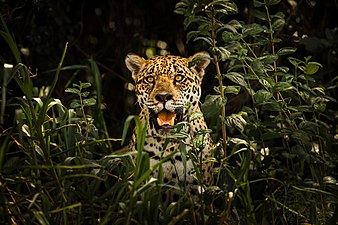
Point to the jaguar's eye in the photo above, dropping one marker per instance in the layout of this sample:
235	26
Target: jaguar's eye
149	79
179	78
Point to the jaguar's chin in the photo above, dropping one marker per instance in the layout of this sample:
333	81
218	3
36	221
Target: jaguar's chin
165	120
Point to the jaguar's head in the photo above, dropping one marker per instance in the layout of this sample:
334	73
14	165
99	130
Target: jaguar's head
168	88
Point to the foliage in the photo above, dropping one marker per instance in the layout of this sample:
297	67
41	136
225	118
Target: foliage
275	157
285	140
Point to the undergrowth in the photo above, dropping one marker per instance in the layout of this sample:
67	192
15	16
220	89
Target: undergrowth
275	156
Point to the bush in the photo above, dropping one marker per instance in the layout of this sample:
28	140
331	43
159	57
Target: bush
280	148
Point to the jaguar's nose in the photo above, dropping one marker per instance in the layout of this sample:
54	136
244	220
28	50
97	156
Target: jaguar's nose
163	97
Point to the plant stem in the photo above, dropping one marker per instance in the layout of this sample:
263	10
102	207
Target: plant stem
7	70
220	81
279	95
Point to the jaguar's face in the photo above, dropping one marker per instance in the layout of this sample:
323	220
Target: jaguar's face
168	87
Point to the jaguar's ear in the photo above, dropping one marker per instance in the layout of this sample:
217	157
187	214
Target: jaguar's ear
199	62
134	63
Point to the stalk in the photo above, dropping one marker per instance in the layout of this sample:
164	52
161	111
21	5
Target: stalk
220	81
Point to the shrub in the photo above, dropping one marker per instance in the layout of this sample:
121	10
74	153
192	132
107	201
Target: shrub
278	149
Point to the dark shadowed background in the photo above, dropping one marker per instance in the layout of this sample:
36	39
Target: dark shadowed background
108	30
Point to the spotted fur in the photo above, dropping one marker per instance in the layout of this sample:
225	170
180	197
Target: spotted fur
172	84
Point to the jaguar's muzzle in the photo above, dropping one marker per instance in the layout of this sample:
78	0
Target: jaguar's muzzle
165	119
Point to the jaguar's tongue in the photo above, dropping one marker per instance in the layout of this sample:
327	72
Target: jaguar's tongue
166	118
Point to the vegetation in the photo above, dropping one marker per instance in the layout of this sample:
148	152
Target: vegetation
276	150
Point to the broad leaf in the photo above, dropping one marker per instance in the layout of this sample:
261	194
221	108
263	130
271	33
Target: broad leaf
89	102
271	2
237	78
231	89
211	106
230	36
270	106
73	90
259	14
258	3
286	51
312	68
283	86
85	85
262	96
278	24
236	120
223	53
75	104
252	29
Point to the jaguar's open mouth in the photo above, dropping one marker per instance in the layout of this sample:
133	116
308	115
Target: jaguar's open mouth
166	119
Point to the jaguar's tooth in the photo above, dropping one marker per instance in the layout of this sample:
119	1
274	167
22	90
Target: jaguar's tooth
159	122
172	121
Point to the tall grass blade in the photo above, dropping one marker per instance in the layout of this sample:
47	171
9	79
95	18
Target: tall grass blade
99	118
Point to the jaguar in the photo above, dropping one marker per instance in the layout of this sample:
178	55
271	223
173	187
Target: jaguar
168	91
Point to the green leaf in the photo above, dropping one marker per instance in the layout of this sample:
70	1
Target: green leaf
192	34
262	96
276	40
53	103
25	129
39	101
312	68
211	106
38	149
73	90
85	94
271	2
236	120
222	52
278	15
278	24
283	86
301	135
89	101
230	36
308	126
283	69
267	82
319	89
242	53
270	106
206	39
286	51
258	67
259	14
296	115
319	107
72	67
231	89
233	26
258	3
237	78
85	85
294	61
263	41
41	217
75	104
252	29
227	6
7	36
267	59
